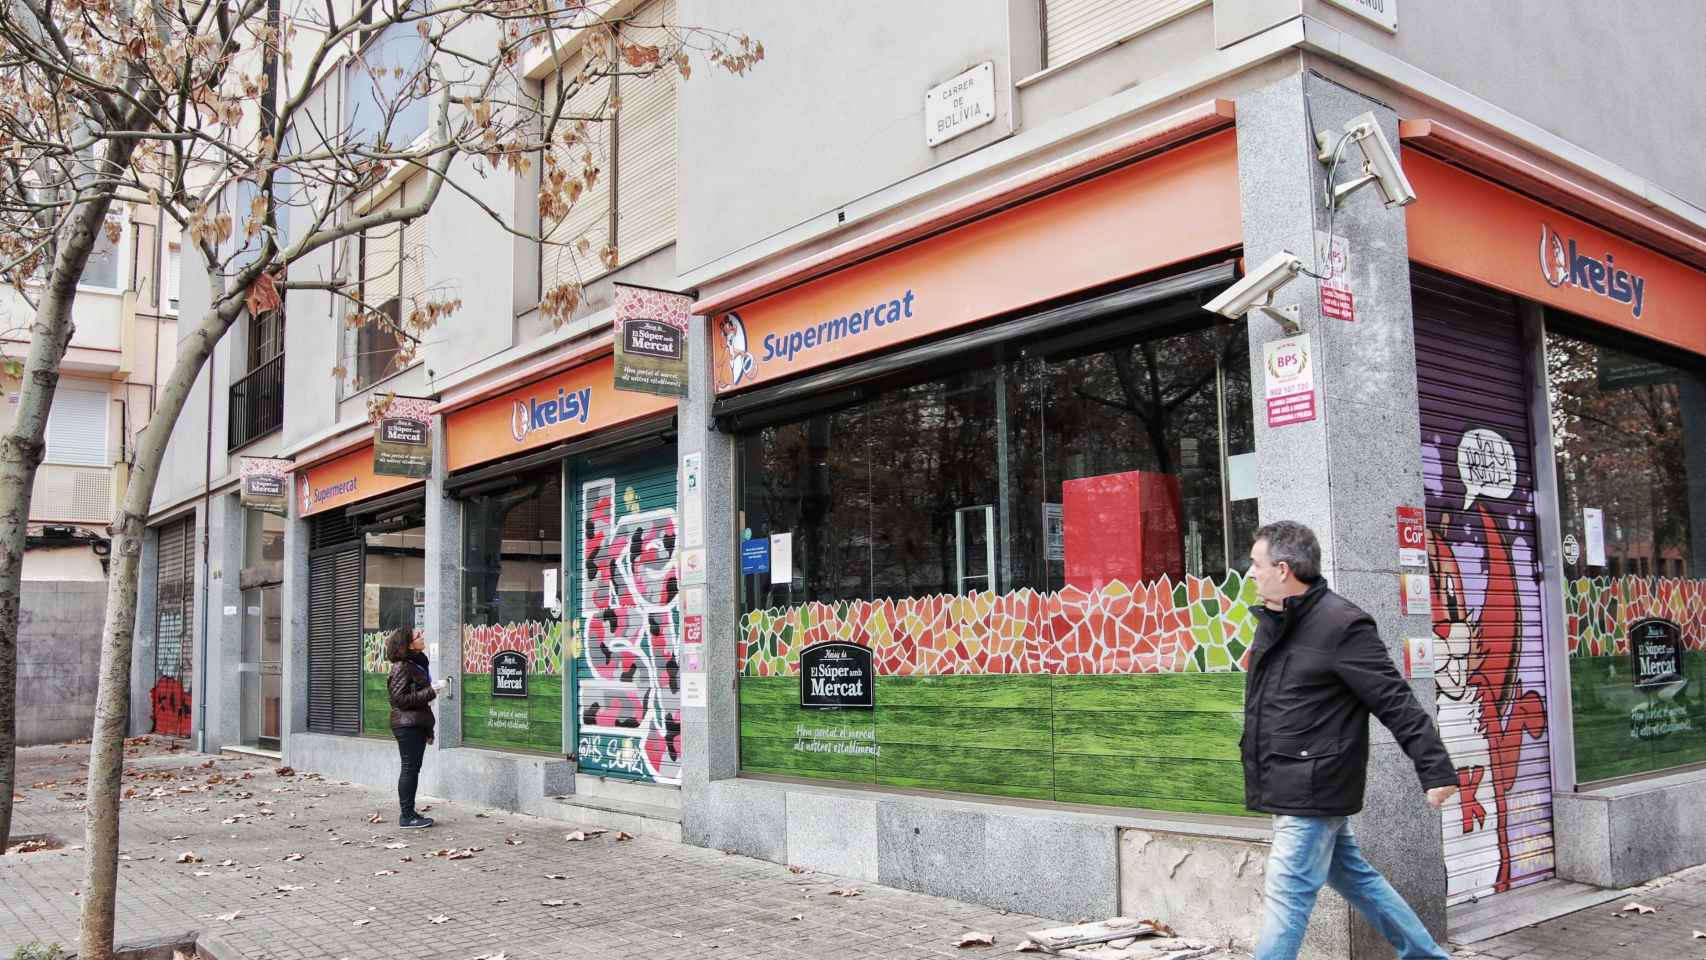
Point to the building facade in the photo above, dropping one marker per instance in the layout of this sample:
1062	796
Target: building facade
964	459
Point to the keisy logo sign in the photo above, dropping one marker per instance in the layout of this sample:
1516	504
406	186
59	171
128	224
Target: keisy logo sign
1562	264
533	414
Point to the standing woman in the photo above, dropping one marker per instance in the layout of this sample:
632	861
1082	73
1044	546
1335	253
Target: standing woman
412	692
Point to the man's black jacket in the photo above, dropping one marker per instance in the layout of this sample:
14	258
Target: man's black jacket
1317	670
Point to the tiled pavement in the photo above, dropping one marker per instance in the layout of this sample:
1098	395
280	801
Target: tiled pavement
1610	932
353	893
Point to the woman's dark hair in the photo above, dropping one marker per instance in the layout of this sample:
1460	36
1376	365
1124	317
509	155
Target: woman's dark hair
397	644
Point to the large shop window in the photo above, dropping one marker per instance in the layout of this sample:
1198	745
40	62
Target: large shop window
1042	548
512	633
1629	436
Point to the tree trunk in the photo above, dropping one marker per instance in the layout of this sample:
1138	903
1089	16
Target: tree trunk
112	699
21	451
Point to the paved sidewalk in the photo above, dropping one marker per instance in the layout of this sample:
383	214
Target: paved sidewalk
365	890
1610	932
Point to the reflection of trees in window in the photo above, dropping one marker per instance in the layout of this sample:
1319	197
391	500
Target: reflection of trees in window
1621	426
882	497
511	536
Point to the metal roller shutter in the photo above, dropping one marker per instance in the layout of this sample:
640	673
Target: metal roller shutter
334	626
174	660
560	257
645	171
1472	376
623	587
381	257
1074	28
412	249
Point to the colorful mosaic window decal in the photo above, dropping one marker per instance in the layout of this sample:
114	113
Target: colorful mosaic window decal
541	642
1599	611
1193	626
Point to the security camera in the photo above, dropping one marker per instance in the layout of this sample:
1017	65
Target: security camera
1257	285
1379	163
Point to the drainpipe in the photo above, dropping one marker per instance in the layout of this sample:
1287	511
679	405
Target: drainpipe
206	553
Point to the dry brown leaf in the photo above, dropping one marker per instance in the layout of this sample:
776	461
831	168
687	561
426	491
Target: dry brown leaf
287	888
1027	946
847	892
623	835
376	818
188	856
556	876
1158	926
360	923
291	857
794	869
552	903
1640	909
797	916
1699	935
228	917
226	863
285	771
441	918
384	873
396	846
972	938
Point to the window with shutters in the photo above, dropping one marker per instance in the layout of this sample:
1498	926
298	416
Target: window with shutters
1077	28
391	259
77	427
614	144
173	277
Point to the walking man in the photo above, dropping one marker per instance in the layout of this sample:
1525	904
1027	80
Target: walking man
1317	670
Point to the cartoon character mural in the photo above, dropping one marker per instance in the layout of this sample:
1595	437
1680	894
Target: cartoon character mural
1480	564
629	688
736	362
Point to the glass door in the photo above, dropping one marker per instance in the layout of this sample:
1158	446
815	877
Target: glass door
261	667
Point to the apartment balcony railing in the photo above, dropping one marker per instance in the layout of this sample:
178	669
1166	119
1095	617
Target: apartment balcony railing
257	403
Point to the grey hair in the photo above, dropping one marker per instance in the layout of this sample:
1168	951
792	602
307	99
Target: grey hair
1294	545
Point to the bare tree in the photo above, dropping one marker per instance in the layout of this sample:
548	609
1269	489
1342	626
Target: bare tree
265	133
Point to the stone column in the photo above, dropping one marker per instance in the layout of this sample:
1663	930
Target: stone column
224	681
293	598
709	735
443	576
1346	473
144	651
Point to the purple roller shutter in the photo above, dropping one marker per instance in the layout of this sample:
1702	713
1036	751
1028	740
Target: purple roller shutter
1478	470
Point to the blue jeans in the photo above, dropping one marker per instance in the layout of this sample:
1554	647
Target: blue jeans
1311	851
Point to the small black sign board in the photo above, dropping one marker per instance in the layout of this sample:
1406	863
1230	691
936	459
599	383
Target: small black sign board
837	675
509	674
403	430
652	338
1656	646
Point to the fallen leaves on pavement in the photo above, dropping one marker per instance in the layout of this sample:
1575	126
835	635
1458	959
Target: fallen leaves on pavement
847	892
228	917
972	938
1640	909
188	856
441	918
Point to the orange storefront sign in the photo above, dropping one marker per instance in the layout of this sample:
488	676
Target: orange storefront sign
1178	205
1476	229
343	480
561	406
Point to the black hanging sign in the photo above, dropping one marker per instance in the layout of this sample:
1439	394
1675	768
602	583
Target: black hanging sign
837	675
509	674
1656	646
